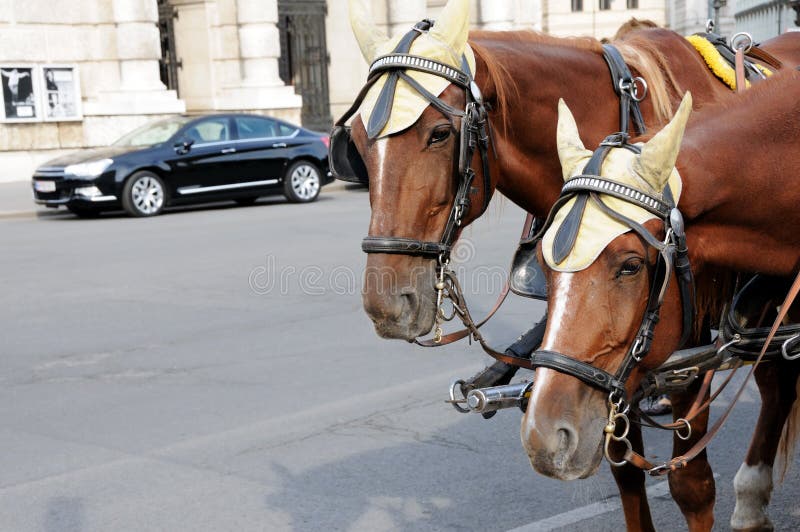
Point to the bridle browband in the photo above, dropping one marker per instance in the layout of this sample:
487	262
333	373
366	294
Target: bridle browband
672	256
475	134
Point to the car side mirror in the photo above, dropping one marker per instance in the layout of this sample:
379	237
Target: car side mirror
184	146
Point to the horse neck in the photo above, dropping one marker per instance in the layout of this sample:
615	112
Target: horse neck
527	169
740	168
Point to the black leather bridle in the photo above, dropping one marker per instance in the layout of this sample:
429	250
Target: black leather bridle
672	256
474	135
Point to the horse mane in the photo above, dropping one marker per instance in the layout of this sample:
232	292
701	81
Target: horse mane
640	53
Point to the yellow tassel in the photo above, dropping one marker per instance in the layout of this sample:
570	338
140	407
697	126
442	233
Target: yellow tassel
714	60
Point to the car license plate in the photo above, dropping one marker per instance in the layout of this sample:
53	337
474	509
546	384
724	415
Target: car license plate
44	186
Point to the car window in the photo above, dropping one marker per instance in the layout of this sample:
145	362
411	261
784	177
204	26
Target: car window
153	133
252	127
286	130
211	130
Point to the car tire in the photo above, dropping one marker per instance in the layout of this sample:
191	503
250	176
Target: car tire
84	212
246	202
144	194
302	182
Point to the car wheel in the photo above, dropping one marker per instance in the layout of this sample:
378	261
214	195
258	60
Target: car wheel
246	202
144	194
83	212
302	182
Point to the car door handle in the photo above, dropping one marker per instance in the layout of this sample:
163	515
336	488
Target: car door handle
229	150
279	145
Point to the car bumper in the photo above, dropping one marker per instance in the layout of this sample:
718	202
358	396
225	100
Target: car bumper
52	189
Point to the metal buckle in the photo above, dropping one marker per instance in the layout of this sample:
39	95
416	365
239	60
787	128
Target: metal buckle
632	87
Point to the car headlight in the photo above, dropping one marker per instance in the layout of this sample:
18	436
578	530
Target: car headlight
90	169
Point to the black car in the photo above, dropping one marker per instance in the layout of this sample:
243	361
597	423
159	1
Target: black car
187	159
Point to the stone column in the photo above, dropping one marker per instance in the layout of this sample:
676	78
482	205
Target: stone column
496	14
138	44
259	42
140	90
256	85
401	15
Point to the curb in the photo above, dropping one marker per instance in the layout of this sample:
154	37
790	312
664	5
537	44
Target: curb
12	215
336	186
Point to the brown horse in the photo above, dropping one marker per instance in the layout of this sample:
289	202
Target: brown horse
740	170
521	75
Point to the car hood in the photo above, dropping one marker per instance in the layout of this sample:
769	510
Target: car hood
95	154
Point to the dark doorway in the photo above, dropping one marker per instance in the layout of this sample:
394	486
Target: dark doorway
304	58
169	62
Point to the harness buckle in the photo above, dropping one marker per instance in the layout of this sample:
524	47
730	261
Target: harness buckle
630	86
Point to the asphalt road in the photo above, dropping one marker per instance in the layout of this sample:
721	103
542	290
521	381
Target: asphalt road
212	369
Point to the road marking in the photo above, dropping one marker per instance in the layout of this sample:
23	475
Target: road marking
577	515
586	512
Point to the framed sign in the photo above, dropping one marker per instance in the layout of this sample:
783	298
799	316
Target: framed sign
61	93
20	93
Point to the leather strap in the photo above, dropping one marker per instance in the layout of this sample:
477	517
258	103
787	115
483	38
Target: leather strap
624	86
760	54
741	84
587	373
681	461
463	333
401	246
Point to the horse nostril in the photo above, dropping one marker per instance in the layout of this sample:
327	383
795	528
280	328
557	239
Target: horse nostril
566	441
408	302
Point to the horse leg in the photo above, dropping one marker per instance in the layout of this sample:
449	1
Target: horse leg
630	482
753	482
692	487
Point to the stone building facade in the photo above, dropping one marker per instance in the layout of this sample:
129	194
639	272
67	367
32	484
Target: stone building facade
296	59
228	52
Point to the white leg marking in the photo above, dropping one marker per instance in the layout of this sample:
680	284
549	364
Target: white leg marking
753	487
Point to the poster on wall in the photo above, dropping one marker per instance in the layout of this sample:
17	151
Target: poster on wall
61	92
20	97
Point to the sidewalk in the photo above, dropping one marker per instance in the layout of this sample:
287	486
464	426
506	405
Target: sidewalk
16	201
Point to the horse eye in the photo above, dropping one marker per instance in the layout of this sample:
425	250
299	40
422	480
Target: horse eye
440	134
631	267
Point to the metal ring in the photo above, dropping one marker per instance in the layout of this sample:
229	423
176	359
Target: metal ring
623	436
453	401
688	429
788	344
635	88
745	38
608	456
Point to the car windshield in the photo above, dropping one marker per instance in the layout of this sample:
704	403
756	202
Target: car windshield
153	133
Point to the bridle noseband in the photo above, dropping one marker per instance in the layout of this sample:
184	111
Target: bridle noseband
475	134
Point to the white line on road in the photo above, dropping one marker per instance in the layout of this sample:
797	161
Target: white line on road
586	512
577	515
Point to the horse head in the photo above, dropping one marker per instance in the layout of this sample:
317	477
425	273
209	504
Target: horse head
607	285
408	135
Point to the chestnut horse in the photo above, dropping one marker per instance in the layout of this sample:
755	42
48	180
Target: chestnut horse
521	75
740	170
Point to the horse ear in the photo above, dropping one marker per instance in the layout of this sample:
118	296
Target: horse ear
570	147
368	35
659	154
452	25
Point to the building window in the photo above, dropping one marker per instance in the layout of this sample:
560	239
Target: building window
577	5
633	4
605	5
